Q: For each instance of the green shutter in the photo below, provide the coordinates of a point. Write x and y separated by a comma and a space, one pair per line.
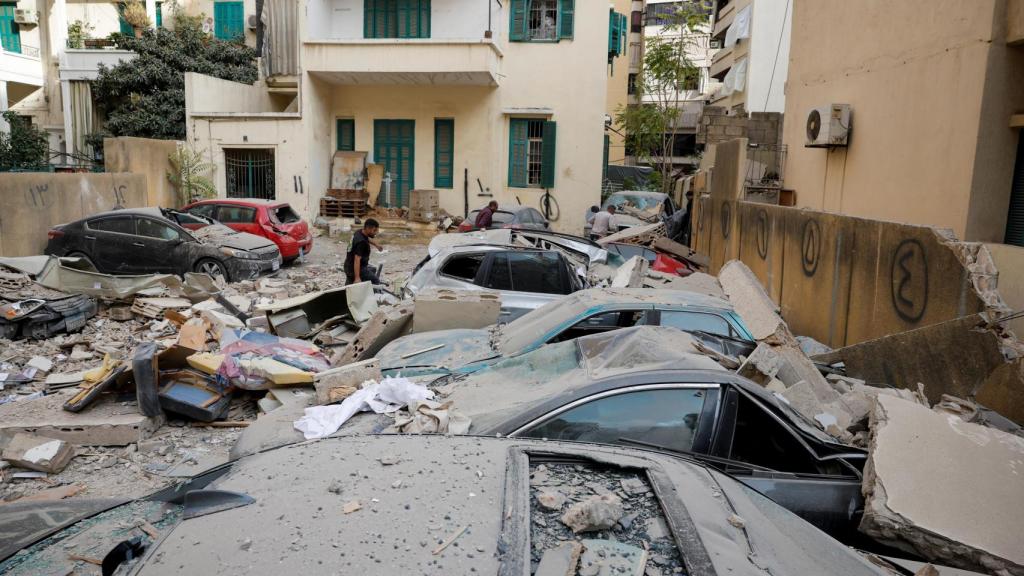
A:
123, 26
623, 31
228, 20
10, 34
568, 18
159, 14
346, 128
547, 167
517, 9
444, 152
396, 18
518, 152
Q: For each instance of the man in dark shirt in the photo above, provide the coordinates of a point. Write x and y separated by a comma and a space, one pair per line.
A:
357, 261
485, 217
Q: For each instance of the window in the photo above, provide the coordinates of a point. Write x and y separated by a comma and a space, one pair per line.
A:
236, 214
396, 18
668, 418
124, 27
119, 224
636, 21
205, 210
249, 173
153, 229
531, 153
444, 152
538, 272
159, 14
346, 128
710, 323
631, 84
542, 20
761, 440
463, 266
497, 219
10, 34
602, 322
617, 32
667, 13
1015, 217
228, 20
283, 215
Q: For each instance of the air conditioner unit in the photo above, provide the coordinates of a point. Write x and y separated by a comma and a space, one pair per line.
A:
828, 126
26, 17
252, 21
715, 44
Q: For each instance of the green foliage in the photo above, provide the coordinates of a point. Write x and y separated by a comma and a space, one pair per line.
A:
189, 175
24, 147
146, 96
134, 13
78, 33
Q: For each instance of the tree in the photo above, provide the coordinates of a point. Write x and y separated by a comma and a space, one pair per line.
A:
188, 175
24, 147
145, 97
667, 74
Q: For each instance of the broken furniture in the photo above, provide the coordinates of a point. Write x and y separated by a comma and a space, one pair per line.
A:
194, 394
304, 316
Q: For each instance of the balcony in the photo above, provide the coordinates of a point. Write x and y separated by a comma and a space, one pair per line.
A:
1015, 23
21, 68
84, 64
459, 42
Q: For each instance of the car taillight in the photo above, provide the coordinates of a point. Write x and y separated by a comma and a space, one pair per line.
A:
54, 233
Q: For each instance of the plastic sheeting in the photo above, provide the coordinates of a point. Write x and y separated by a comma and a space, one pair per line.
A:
639, 349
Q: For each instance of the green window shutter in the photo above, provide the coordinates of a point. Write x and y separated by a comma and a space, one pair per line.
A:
517, 9
611, 30
346, 134
396, 18
444, 152
228, 20
123, 26
518, 152
547, 166
159, 14
623, 31
10, 33
567, 18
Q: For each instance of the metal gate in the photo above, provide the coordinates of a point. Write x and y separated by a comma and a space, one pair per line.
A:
250, 173
394, 148
1015, 218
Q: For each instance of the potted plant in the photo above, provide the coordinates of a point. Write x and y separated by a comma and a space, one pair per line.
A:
78, 34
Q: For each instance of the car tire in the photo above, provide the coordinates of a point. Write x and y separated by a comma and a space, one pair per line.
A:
213, 268
82, 255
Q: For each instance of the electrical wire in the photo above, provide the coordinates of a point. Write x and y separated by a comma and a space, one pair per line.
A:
778, 49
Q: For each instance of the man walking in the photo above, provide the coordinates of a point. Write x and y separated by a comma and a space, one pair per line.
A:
604, 223
357, 261
485, 217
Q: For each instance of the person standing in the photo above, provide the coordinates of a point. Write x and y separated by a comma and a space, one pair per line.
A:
485, 218
603, 224
357, 261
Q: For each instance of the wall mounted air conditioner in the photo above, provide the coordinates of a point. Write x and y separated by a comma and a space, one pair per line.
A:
252, 21
26, 17
828, 126
714, 44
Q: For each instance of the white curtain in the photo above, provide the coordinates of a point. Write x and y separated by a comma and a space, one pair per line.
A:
81, 116
740, 27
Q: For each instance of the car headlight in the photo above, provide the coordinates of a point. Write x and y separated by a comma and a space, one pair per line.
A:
243, 254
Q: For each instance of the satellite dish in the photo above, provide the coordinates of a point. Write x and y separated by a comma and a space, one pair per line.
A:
813, 126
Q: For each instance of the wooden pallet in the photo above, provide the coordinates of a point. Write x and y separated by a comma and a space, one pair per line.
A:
334, 208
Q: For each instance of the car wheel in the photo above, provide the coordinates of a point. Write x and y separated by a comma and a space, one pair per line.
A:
212, 268
83, 256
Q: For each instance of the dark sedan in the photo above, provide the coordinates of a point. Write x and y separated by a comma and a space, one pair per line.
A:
155, 240
514, 217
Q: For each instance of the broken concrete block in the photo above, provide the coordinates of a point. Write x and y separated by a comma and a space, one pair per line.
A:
795, 366
336, 384
631, 274
445, 309
943, 488
610, 558
193, 334
594, 513
761, 366
758, 311
40, 363
385, 325
38, 453
551, 499
560, 561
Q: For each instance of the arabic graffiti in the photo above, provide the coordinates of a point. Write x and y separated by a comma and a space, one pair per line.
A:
35, 196
909, 280
726, 219
810, 247
762, 234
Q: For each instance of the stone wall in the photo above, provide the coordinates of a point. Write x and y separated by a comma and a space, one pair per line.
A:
758, 127
144, 156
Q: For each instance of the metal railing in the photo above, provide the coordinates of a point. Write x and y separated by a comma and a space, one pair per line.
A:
766, 164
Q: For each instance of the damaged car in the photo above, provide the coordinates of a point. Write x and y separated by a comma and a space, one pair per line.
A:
637, 208
157, 240
579, 314
396, 505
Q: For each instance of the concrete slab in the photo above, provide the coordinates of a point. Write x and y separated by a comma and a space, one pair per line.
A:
752, 303
339, 383
385, 325
106, 423
448, 309
631, 274
944, 488
38, 452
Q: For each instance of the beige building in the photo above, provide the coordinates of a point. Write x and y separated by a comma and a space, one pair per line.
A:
937, 104
621, 72
753, 37
479, 100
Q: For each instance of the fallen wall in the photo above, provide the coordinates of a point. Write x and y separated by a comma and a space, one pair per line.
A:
33, 202
148, 157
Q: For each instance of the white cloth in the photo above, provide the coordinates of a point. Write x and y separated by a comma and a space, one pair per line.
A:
603, 223
388, 396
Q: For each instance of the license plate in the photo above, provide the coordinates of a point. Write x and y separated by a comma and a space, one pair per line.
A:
276, 265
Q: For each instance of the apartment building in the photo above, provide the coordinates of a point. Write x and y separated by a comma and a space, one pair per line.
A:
625, 59
478, 99
52, 50
754, 37
935, 134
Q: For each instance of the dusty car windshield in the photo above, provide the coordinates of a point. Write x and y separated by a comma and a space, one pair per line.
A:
642, 202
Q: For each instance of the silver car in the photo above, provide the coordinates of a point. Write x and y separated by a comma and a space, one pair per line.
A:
526, 278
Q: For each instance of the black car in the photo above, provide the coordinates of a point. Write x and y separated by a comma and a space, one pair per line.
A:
157, 240
516, 217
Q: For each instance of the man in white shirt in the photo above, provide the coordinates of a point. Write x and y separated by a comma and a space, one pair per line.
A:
603, 224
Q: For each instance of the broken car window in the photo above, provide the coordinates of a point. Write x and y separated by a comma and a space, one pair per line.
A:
463, 266
539, 272
206, 210
662, 417
762, 440
499, 277
236, 214
710, 323
153, 229
119, 224
283, 215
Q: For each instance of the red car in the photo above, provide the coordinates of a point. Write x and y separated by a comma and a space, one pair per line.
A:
271, 219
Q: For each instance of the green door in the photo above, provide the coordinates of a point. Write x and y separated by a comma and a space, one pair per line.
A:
394, 148
228, 20
10, 36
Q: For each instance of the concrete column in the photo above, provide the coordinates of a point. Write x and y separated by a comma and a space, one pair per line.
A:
151, 12
4, 127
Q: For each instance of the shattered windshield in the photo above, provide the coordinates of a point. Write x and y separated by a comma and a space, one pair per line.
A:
528, 328
650, 203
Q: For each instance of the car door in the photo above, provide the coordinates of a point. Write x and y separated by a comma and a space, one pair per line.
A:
603, 320
678, 418
526, 279
238, 218
160, 247
109, 242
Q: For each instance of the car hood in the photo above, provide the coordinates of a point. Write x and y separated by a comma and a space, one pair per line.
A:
228, 238
439, 352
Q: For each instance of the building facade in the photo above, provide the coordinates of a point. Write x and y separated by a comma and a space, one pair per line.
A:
935, 133
479, 100
751, 64
622, 69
